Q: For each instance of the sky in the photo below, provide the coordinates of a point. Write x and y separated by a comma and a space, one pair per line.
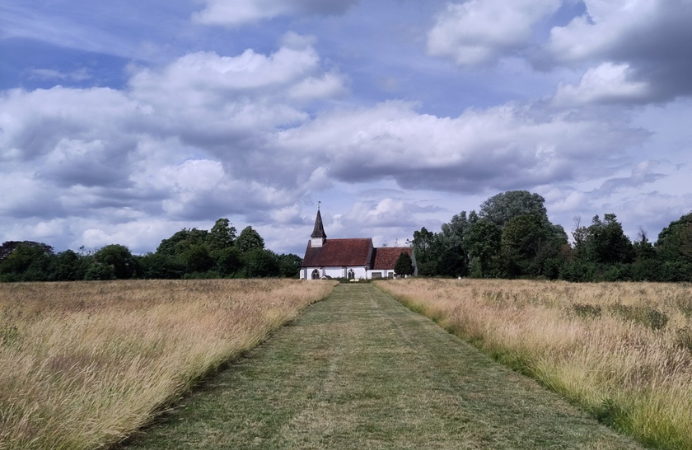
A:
124, 122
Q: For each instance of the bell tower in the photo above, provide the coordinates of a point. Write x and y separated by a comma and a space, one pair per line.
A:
318, 235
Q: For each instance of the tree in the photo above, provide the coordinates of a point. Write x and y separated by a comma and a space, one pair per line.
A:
501, 208
228, 260
161, 266
99, 271
427, 248
26, 261
523, 237
403, 265
197, 259
458, 227
674, 249
606, 242
182, 241
531, 247
65, 266
119, 257
289, 265
260, 263
221, 236
675, 241
249, 240
643, 249
484, 243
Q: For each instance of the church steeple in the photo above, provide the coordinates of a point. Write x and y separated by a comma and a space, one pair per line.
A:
318, 235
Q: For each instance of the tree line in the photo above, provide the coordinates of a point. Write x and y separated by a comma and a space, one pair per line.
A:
511, 237
189, 253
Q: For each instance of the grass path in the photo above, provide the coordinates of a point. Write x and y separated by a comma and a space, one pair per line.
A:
360, 371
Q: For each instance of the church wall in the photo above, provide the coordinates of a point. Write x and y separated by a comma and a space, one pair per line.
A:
334, 272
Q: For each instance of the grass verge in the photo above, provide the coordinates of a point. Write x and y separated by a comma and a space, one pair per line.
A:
620, 350
84, 364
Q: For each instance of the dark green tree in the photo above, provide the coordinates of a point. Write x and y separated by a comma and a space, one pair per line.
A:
674, 249
249, 240
531, 247
428, 249
27, 261
66, 266
289, 265
501, 208
161, 266
182, 241
99, 271
606, 242
454, 258
197, 259
228, 260
404, 265
483, 243
675, 241
119, 257
221, 236
260, 263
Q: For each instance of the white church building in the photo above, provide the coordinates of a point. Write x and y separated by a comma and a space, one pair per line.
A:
354, 258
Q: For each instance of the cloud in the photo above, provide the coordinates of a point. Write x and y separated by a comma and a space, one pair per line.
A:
648, 37
210, 136
643, 173
184, 140
607, 83
482, 31
499, 148
234, 13
50, 74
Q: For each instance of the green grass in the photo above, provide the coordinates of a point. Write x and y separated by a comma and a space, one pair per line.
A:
360, 371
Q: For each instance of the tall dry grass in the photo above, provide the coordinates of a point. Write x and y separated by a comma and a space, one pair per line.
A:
82, 365
623, 351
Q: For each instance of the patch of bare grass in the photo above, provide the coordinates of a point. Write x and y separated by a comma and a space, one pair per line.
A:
621, 350
82, 365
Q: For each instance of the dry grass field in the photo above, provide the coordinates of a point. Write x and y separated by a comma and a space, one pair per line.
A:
623, 351
84, 364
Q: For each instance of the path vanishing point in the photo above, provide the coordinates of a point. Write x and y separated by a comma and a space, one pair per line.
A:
360, 371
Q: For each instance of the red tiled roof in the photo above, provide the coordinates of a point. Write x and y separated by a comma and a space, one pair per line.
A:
386, 257
339, 253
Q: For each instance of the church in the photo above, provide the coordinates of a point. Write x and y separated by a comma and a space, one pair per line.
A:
354, 258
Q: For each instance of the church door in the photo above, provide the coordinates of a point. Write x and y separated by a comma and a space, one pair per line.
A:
351, 274
315, 274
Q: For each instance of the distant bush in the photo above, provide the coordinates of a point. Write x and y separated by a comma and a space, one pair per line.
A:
643, 315
684, 338
586, 311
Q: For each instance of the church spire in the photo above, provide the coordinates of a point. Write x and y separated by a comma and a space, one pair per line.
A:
318, 235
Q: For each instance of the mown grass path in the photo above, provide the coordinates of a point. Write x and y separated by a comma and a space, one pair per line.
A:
360, 371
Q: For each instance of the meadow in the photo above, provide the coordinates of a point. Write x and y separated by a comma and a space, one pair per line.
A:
84, 364
622, 351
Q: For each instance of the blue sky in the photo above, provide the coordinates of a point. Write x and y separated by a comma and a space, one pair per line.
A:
123, 122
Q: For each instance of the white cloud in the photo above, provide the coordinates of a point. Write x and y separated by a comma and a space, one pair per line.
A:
181, 139
234, 13
50, 74
387, 212
207, 72
647, 36
482, 31
603, 27
504, 147
606, 83
210, 136
329, 85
